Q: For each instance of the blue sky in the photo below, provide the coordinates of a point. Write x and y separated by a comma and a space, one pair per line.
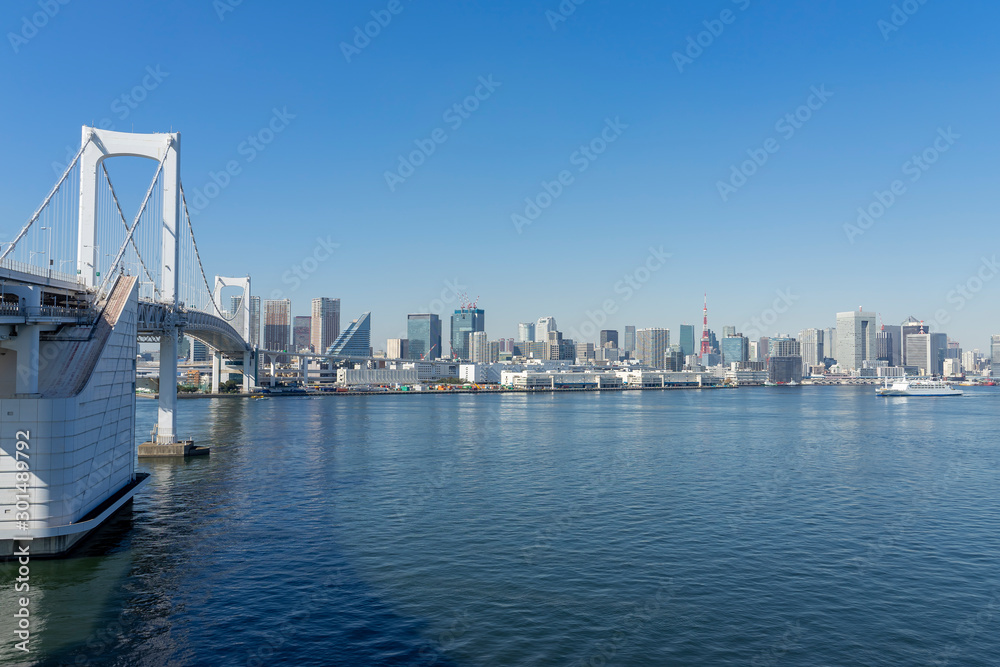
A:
223, 70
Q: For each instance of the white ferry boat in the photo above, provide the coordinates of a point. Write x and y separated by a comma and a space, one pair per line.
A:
904, 387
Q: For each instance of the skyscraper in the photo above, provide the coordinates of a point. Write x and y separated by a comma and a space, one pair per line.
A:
608, 336
277, 325
301, 325
995, 356
728, 331
525, 332
325, 323
855, 339
545, 325
629, 338
255, 321
424, 333
479, 347
735, 349
651, 346
355, 341
830, 342
885, 348
687, 340
465, 321
910, 326
811, 343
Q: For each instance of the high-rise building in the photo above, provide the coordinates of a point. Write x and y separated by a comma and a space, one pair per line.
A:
423, 330
199, 351
325, 325
553, 346
545, 325
995, 356
754, 353
629, 338
584, 352
397, 348
910, 326
277, 326
784, 369
301, 326
735, 349
784, 346
885, 348
763, 348
728, 331
855, 339
464, 322
687, 340
608, 336
235, 301
651, 346
479, 347
355, 340
830, 342
526, 332
812, 347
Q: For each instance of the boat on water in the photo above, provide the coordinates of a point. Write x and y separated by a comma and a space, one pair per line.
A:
905, 387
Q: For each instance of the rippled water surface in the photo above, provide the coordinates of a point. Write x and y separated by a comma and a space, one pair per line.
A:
770, 526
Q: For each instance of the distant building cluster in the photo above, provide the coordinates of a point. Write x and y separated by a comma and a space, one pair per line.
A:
856, 347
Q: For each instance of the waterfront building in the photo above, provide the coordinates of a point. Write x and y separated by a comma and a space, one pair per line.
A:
397, 348
812, 347
464, 322
423, 330
830, 343
687, 340
995, 356
910, 326
735, 349
855, 339
783, 346
325, 325
609, 338
927, 352
301, 325
784, 369
355, 340
277, 325
525, 332
630, 338
479, 348
651, 346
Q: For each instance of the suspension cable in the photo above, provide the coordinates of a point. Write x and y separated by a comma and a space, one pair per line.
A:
45, 203
201, 267
131, 239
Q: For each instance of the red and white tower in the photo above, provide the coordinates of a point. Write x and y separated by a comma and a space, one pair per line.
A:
706, 342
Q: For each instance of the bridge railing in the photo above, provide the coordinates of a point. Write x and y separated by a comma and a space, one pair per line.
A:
34, 270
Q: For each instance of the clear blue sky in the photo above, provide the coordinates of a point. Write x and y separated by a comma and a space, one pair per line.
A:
324, 175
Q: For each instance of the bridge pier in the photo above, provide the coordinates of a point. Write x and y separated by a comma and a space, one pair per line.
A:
165, 429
